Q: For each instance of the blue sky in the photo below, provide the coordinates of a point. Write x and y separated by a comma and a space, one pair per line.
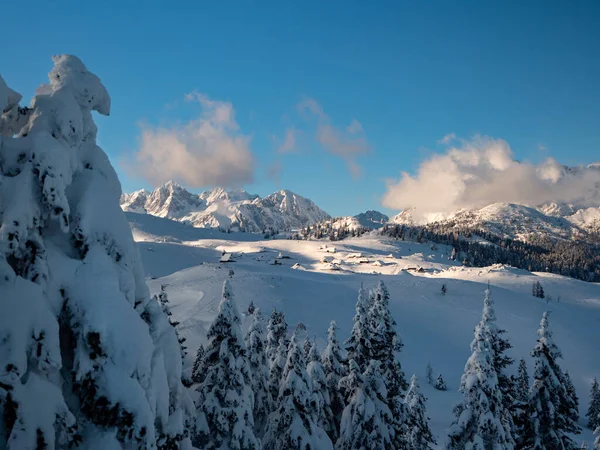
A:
409, 73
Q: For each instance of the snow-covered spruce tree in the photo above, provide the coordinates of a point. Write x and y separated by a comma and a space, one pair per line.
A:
572, 406
257, 358
163, 300
593, 412
335, 368
429, 373
597, 441
306, 347
291, 424
418, 434
367, 422
323, 414
275, 374
499, 345
276, 332
440, 383
520, 409
197, 366
78, 327
358, 345
226, 400
550, 420
385, 343
479, 422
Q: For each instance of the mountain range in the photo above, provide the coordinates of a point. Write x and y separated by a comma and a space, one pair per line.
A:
227, 209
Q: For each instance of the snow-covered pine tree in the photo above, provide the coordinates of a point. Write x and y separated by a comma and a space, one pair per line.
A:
291, 424
572, 398
276, 333
522, 383
163, 300
479, 422
226, 400
358, 345
593, 412
499, 346
257, 358
197, 367
335, 368
324, 416
385, 343
440, 383
550, 425
418, 434
306, 347
521, 401
429, 373
367, 422
275, 374
78, 325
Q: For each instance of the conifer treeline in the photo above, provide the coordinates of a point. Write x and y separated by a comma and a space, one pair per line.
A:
267, 391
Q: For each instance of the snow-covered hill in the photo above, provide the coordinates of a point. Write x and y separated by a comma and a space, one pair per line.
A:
237, 209
509, 220
318, 282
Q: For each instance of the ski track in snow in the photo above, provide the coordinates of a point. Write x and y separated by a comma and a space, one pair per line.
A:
434, 328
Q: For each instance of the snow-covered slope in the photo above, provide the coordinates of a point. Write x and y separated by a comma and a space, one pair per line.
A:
372, 219
282, 210
435, 328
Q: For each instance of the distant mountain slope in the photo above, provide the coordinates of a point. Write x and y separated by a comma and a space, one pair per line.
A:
219, 208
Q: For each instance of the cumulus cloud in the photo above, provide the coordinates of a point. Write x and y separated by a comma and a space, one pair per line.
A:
288, 145
209, 150
348, 143
448, 138
482, 171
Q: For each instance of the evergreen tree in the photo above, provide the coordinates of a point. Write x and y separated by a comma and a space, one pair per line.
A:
429, 371
276, 333
197, 367
549, 403
334, 367
440, 384
597, 441
291, 424
385, 343
479, 418
275, 374
418, 434
226, 399
593, 413
367, 422
520, 408
499, 345
321, 400
522, 383
572, 398
86, 354
306, 347
358, 345
259, 371
444, 289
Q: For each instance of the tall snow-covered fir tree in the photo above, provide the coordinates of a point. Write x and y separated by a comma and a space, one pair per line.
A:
522, 382
78, 325
479, 420
550, 423
572, 398
521, 400
358, 345
324, 416
197, 367
385, 343
335, 368
276, 333
367, 422
226, 401
257, 358
275, 374
593, 412
418, 433
291, 424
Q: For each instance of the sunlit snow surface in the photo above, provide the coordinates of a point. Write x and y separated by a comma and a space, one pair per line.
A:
434, 328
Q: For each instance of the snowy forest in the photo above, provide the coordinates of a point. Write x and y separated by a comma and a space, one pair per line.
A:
90, 359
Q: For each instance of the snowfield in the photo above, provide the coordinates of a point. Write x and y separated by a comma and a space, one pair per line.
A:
313, 283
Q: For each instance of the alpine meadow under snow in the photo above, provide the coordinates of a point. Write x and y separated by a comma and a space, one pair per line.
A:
170, 320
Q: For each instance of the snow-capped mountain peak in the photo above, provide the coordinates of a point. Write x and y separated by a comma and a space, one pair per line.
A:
223, 208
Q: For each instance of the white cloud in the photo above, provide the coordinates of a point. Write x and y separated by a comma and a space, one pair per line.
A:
347, 143
483, 171
447, 139
206, 151
289, 142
